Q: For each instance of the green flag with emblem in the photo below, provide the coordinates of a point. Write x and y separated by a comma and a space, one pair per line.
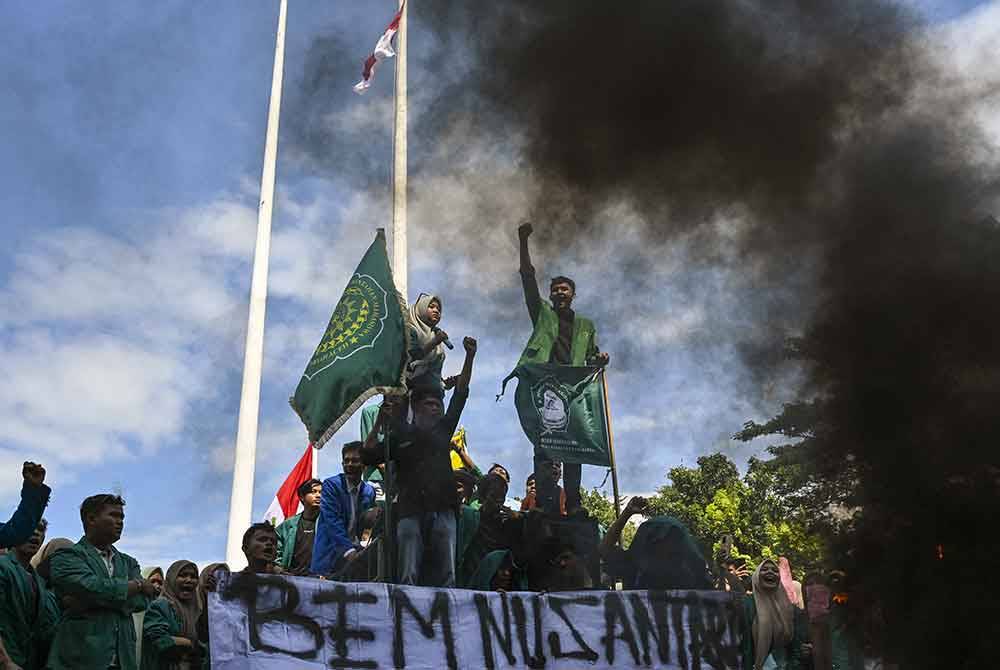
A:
562, 411
362, 353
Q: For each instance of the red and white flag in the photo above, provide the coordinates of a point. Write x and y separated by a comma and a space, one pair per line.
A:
286, 501
383, 50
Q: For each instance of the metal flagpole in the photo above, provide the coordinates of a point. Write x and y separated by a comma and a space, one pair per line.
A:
399, 269
611, 444
241, 502
399, 247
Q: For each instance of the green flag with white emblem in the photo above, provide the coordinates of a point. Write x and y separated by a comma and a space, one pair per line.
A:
562, 411
362, 353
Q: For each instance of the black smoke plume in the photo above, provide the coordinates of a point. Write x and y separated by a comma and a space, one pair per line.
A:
827, 130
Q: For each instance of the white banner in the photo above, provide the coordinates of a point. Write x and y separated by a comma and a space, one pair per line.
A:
267, 622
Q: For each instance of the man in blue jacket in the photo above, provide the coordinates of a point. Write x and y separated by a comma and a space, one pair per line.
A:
34, 498
343, 502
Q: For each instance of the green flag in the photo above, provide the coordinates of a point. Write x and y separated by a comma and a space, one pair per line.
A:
562, 412
362, 353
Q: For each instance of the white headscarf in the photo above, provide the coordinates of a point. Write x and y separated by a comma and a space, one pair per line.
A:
773, 626
425, 333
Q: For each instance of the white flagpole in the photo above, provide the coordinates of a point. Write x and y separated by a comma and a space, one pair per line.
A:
399, 245
241, 502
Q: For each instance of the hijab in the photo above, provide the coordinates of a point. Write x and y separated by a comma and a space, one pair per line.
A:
792, 587
686, 568
425, 333
773, 625
187, 611
150, 571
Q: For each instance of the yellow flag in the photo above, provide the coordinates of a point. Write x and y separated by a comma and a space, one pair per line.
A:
458, 439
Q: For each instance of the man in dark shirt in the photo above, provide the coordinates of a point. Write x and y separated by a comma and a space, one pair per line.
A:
426, 533
560, 336
296, 534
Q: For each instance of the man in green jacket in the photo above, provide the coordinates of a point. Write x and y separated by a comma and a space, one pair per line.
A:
296, 534
28, 610
559, 336
100, 588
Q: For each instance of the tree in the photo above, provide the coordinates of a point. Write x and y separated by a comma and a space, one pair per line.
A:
713, 501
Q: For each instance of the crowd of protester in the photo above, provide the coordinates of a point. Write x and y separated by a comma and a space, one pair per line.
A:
80, 605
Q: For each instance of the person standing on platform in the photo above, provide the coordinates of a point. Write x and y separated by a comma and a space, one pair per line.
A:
296, 534
426, 535
345, 501
562, 337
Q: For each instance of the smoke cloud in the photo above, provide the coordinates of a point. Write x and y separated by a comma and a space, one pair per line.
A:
813, 169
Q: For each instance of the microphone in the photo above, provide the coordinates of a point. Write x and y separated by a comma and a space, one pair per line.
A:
446, 342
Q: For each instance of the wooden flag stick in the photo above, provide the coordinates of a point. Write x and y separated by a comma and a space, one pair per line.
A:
611, 444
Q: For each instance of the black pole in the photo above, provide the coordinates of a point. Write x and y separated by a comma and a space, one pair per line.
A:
389, 541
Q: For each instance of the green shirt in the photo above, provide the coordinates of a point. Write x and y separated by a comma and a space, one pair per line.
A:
100, 626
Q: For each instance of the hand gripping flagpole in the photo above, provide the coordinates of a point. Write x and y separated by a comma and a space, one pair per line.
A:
611, 443
241, 502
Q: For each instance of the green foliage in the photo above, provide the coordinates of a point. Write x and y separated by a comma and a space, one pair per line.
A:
603, 509
712, 500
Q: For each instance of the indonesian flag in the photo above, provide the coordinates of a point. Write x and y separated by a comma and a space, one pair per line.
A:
383, 50
286, 501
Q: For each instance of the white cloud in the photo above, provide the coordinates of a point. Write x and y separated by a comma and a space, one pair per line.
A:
631, 423
108, 339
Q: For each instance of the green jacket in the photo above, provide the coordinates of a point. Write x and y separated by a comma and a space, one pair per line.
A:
159, 628
26, 631
286, 540
465, 532
92, 633
543, 337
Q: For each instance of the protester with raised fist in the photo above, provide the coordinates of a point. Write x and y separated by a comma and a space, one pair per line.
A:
28, 609
562, 337
427, 502
34, 498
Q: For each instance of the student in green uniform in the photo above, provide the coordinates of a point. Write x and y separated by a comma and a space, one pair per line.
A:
296, 534
559, 336
169, 630
103, 588
28, 610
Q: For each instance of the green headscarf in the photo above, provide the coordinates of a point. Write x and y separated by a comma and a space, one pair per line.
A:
686, 568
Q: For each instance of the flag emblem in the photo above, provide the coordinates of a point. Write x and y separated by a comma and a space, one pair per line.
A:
552, 404
356, 324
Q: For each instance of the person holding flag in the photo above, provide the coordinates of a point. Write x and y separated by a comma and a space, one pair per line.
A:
427, 531
560, 337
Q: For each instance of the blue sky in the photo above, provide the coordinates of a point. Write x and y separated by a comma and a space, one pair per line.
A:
135, 133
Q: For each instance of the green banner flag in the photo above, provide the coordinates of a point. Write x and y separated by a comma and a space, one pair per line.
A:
362, 353
562, 411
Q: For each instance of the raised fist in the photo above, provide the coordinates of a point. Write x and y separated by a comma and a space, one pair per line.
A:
524, 230
636, 505
33, 473
470, 345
